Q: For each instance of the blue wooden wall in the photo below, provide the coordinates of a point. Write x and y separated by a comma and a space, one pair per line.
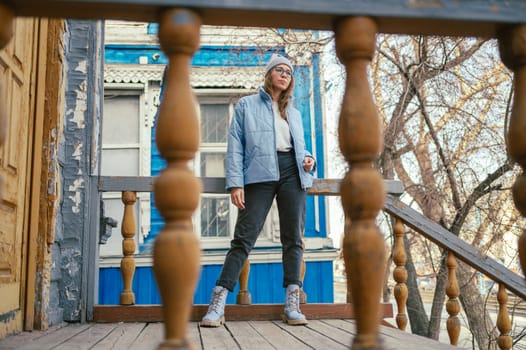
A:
318, 284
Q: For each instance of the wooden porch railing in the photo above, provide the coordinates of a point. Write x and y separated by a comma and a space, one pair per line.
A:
129, 186
355, 23
403, 216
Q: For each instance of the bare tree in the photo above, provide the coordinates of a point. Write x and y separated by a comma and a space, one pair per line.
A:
444, 102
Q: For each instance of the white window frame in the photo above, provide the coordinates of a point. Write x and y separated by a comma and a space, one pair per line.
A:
268, 236
143, 205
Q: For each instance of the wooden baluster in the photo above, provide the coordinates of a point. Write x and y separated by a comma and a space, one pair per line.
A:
176, 258
512, 45
303, 271
7, 16
243, 296
400, 274
348, 295
504, 341
452, 305
362, 189
128, 247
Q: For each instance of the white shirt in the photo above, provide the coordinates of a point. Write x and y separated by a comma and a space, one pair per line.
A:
283, 141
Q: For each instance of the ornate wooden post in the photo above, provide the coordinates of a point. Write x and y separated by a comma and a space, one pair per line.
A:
452, 305
128, 247
512, 45
303, 271
504, 340
400, 274
362, 189
348, 295
6, 32
243, 296
176, 250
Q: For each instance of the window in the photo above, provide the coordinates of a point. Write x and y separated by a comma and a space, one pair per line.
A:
216, 216
124, 152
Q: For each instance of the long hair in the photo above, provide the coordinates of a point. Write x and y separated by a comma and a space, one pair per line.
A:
284, 97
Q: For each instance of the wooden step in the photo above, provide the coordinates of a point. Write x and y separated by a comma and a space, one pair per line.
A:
153, 313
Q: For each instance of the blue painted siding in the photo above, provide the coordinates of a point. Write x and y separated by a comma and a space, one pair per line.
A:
206, 56
318, 284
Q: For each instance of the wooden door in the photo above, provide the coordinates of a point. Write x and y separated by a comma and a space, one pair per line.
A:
16, 72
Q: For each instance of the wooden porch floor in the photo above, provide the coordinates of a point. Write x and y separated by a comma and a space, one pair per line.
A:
326, 334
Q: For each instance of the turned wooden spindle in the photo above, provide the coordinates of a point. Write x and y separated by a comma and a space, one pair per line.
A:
7, 16
348, 295
303, 271
452, 304
512, 45
362, 189
176, 259
243, 296
504, 340
128, 247
400, 274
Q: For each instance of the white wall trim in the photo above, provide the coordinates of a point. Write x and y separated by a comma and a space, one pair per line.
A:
218, 257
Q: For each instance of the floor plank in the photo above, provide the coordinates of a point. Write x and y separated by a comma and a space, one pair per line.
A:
54, 339
217, 339
334, 333
326, 334
86, 339
313, 338
247, 337
149, 338
121, 337
277, 337
194, 335
14, 341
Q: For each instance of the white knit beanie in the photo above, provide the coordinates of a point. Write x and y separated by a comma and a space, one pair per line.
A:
275, 60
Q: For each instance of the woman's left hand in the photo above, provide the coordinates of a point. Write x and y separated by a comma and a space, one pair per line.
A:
308, 164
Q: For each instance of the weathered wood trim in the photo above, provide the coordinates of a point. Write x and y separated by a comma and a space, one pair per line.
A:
254, 312
462, 250
320, 187
257, 256
93, 226
35, 169
445, 17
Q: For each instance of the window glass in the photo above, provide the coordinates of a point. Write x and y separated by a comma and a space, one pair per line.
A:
214, 123
215, 214
213, 164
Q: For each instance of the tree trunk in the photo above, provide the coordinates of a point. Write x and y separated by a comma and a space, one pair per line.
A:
479, 321
415, 306
438, 300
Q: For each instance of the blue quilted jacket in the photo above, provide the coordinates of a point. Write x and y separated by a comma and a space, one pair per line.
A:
251, 153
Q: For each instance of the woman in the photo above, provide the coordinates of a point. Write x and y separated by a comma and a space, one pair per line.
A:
266, 159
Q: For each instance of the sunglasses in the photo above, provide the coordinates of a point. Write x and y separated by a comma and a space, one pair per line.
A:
280, 71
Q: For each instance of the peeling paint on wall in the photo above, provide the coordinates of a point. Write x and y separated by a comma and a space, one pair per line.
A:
75, 158
77, 187
77, 154
78, 115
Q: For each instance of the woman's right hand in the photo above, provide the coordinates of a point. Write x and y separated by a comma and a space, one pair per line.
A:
237, 196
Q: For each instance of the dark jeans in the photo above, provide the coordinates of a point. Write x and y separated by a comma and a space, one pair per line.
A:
290, 198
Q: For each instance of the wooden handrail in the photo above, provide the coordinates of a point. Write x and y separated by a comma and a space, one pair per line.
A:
447, 17
320, 187
462, 250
